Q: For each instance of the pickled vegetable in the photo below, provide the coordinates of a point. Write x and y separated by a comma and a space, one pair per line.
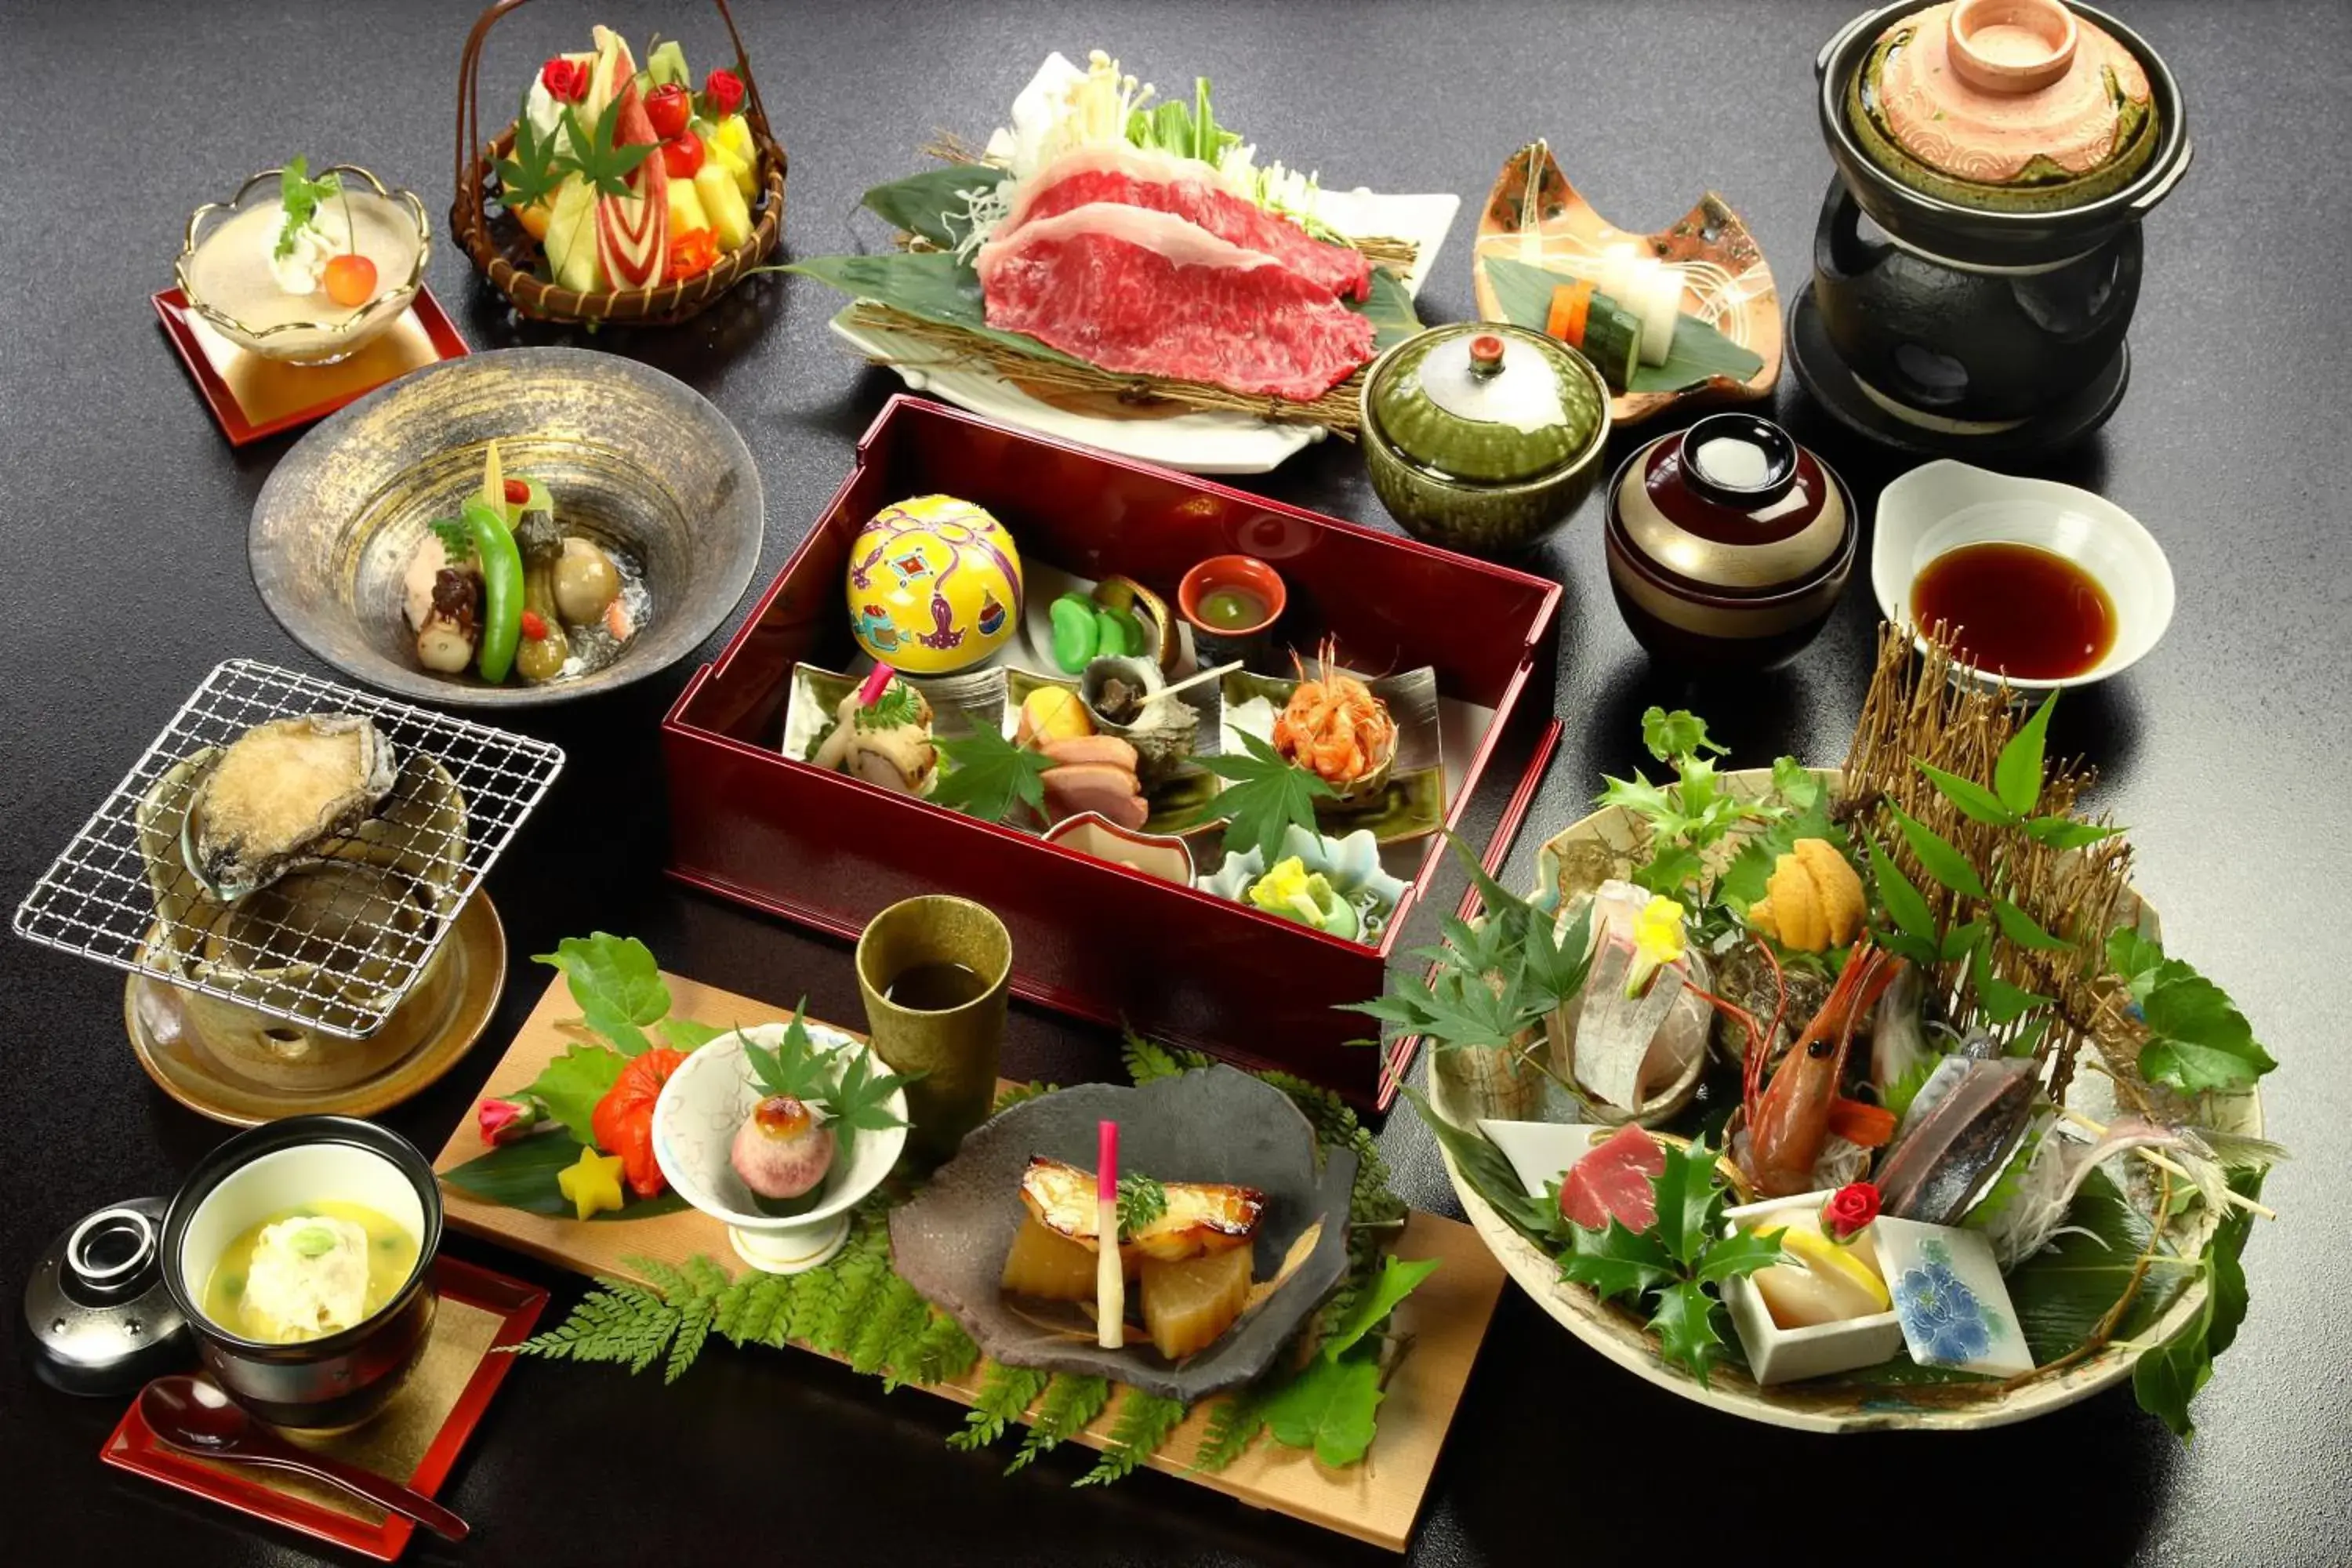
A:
1076, 632
1186, 1305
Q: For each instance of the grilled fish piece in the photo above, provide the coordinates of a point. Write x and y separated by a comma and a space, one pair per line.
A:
1200, 1218
279, 791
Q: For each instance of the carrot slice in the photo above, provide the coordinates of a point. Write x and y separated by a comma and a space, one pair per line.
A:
1571, 306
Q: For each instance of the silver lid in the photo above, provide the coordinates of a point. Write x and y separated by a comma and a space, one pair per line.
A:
96, 1310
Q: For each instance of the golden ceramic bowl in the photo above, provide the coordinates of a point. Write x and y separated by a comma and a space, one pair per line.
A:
636, 460
305, 337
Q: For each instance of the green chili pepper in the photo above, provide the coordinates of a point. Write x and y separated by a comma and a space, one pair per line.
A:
494, 546
1074, 632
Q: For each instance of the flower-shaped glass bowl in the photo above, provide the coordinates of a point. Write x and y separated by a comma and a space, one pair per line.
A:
701, 1106
224, 268
1352, 865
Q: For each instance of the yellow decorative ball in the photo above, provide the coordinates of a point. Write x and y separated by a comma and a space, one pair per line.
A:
934, 585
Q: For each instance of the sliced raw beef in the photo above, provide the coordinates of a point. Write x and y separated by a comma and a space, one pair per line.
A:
1613, 1181
1130, 176
1130, 289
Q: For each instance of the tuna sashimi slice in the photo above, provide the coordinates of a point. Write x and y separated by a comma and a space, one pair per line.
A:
1132, 289
1613, 1182
1131, 176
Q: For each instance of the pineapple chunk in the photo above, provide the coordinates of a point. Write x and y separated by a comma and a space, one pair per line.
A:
723, 204
686, 211
1049, 1267
1186, 1305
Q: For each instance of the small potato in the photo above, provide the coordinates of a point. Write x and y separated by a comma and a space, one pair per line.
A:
585, 581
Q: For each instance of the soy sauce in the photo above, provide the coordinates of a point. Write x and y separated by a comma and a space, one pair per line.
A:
2017, 609
935, 987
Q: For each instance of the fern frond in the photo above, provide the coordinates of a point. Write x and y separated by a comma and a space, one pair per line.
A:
1014, 1094
619, 1322
893, 1326
751, 1311
1144, 1423
1004, 1397
1147, 1059
1071, 1402
943, 1351
693, 1329
1235, 1423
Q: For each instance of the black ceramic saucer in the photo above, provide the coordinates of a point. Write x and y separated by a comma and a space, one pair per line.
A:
1823, 375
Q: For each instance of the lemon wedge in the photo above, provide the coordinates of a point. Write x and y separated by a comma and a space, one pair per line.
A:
1828, 1261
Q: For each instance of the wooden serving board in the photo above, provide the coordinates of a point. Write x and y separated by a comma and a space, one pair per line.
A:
1376, 1502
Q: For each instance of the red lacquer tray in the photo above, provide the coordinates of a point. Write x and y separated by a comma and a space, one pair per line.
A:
1088, 937
252, 397
499, 1312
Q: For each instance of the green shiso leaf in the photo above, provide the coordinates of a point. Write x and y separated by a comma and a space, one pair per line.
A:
1699, 352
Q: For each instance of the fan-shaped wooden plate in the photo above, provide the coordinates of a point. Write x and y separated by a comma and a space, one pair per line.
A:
1531, 194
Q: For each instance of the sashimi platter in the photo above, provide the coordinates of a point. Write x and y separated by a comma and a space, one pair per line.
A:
1841, 1092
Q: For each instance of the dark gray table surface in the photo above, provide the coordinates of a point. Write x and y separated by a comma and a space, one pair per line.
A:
123, 528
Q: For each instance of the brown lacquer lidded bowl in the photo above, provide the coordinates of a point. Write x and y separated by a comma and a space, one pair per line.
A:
1729, 544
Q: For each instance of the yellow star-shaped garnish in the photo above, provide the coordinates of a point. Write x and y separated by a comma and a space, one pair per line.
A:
593, 1184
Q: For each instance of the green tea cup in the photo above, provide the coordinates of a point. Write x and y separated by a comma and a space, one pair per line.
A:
933, 970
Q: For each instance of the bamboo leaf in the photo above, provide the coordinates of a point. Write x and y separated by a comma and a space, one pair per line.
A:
930, 205
1904, 905
1975, 801
2065, 833
522, 1175
2024, 930
1699, 352
1935, 853
2017, 775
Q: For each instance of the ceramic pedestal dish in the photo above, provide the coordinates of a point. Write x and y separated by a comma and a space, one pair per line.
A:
1481, 437
2005, 152
1729, 544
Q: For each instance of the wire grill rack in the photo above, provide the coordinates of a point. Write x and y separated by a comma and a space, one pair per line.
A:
341, 968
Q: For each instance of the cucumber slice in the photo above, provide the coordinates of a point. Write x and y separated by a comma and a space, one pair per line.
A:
1613, 340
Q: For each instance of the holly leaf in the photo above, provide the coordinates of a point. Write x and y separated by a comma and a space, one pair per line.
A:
572, 1084
1935, 853
1905, 904
1331, 1406
1263, 795
1737, 1255
1684, 1322
1397, 1280
1680, 733
2017, 773
616, 984
1671, 868
1690, 1200
986, 773
1975, 801
1643, 799
1617, 1261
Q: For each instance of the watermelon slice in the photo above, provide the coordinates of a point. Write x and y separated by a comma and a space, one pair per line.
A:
1612, 1181
633, 231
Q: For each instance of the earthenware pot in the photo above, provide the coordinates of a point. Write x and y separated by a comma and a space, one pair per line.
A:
1728, 543
2014, 174
955, 1048
339, 1379
1481, 437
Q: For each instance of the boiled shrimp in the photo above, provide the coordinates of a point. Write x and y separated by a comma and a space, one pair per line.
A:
1790, 1120
1333, 725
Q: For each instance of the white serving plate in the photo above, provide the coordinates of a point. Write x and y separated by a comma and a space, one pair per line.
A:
1201, 443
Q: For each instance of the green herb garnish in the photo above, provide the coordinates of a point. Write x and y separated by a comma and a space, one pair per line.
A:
535, 170
301, 196
1265, 793
1141, 1201
898, 704
456, 539
839, 1080
2197, 1038
593, 157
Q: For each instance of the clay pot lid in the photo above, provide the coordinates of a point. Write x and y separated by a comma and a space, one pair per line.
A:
1485, 401
1733, 506
1996, 92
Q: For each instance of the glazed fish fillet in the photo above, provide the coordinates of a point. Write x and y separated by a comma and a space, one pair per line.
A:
1199, 1217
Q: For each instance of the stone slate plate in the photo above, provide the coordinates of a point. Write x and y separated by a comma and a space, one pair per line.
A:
1211, 1125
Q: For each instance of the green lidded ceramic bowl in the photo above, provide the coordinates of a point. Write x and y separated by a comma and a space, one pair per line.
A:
1484, 437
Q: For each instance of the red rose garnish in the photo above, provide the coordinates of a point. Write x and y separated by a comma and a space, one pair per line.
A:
1850, 1209
566, 81
723, 90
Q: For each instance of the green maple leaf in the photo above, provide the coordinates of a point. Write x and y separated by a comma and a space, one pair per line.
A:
535, 171
1265, 793
987, 774
592, 155
839, 1080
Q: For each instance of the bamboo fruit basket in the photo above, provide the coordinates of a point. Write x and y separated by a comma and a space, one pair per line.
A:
506, 255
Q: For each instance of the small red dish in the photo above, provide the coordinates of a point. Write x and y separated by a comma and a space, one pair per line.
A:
481, 1314
1246, 573
252, 397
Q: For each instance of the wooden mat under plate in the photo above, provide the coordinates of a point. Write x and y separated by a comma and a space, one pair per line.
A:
1376, 1502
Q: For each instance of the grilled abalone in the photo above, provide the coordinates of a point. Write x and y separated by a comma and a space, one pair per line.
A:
279, 791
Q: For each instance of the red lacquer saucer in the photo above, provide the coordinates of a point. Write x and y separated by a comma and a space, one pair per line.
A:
485, 1311
252, 397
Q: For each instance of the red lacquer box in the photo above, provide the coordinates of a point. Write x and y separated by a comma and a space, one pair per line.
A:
1088, 937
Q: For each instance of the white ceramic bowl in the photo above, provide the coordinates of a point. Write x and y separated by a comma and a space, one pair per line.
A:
1939, 507
695, 1121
